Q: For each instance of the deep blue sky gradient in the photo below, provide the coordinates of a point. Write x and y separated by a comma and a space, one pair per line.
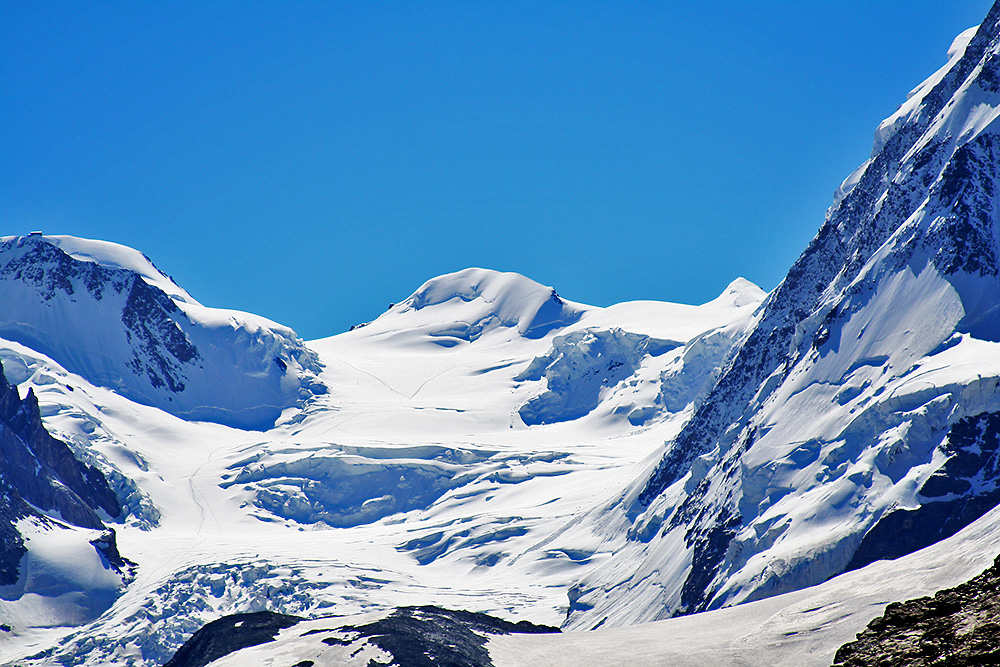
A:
312, 162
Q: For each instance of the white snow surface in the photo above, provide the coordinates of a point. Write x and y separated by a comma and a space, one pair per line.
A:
799, 629
413, 481
63, 580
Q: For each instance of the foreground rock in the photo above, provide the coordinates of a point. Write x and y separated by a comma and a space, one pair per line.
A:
957, 627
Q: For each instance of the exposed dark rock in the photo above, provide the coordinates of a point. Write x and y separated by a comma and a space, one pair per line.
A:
107, 545
12, 548
957, 627
435, 637
43, 469
709, 547
52, 271
39, 472
425, 636
148, 317
228, 634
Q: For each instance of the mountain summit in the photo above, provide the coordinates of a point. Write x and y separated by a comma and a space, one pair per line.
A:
487, 445
102, 310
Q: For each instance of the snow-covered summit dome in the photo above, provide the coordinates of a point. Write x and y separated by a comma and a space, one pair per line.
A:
463, 305
102, 310
741, 292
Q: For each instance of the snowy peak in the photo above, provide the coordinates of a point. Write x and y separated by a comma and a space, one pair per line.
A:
867, 384
462, 306
741, 292
114, 256
105, 312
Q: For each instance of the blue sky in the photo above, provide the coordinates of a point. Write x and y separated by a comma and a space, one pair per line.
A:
314, 161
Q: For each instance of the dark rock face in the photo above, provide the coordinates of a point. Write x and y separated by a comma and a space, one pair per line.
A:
229, 634
107, 545
957, 627
161, 348
12, 548
43, 469
38, 471
52, 271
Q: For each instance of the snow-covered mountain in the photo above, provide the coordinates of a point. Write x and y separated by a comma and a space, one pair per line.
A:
417, 464
858, 418
104, 311
486, 445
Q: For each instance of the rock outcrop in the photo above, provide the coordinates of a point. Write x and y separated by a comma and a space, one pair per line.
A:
957, 627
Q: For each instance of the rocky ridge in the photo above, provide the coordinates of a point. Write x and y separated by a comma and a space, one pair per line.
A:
40, 478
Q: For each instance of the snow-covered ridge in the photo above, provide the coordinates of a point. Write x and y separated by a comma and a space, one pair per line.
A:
112, 255
104, 311
857, 419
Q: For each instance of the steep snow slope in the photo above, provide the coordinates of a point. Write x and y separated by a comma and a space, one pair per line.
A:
803, 628
413, 481
104, 311
859, 418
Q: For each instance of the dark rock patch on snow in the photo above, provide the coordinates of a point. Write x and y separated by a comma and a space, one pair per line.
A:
425, 636
229, 634
431, 636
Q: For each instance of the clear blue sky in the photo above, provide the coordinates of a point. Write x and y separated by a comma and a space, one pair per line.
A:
313, 161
